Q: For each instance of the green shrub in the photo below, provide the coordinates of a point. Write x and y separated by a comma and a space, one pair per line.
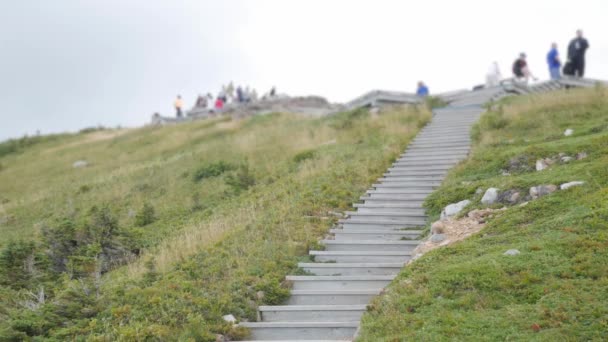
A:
493, 120
433, 102
145, 216
304, 155
19, 263
241, 180
93, 243
212, 170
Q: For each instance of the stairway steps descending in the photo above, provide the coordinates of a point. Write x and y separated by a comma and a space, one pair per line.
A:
405, 213
394, 190
370, 245
375, 234
449, 157
413, 207
385, 224
361, 256
411, 197
339, 283
332, 297
311, 313
368, 248
411, 187
351, 269
301, 330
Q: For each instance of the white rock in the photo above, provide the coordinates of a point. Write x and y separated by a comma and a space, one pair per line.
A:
541, 165
436, 238
454, 209
568, 132
571, 184
80, 163
567, 159
490, 196
512, 252
229, 318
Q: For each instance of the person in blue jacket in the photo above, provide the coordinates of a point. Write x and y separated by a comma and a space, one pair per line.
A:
554, 62
423, 90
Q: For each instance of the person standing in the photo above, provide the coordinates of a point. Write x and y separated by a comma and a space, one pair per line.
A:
423, 90
521, 71
178, 106
576, 54
493, 76
554, 62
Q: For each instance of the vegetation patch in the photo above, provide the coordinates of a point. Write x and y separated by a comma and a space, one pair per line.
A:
136, 248
212, 170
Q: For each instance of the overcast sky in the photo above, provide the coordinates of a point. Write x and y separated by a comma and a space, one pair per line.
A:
69, 64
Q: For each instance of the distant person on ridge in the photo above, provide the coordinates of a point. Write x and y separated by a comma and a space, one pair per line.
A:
423, 90
240, 96
554, 63
201, 102
219, 104
521, 71
493, 76
178, 106
576, 54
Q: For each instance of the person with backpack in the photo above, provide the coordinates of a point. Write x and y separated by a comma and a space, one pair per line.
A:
554, 62
423, 90
521, 71
576, 56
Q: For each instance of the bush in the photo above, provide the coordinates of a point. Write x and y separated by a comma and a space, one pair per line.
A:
241, 180
18, 264
145, 216
493, 120
433, 102
93, 244
304, 155
212, 170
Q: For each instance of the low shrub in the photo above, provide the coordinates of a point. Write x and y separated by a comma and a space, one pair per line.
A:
145, 216
240, 180
212, 170
304, 155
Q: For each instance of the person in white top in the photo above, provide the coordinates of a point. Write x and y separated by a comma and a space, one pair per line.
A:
493, 77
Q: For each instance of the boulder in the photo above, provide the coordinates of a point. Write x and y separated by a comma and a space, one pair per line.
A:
80, 164
229, 318
436, 238
568, 132
512, 252
522, 163
567, 159
542, 190
581, 155
454, 209
569, 185
490, 196
541, 165
509, 197
437, 227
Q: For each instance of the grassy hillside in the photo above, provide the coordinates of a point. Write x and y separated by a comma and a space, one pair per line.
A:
169, 228
557, 288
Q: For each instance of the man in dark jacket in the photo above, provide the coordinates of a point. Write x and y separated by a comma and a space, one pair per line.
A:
576, 54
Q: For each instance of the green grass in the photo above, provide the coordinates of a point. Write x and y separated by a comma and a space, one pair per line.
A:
557, 288
201, 220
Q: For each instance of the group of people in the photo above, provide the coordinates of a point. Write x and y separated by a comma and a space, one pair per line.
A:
228, 94
574, 66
